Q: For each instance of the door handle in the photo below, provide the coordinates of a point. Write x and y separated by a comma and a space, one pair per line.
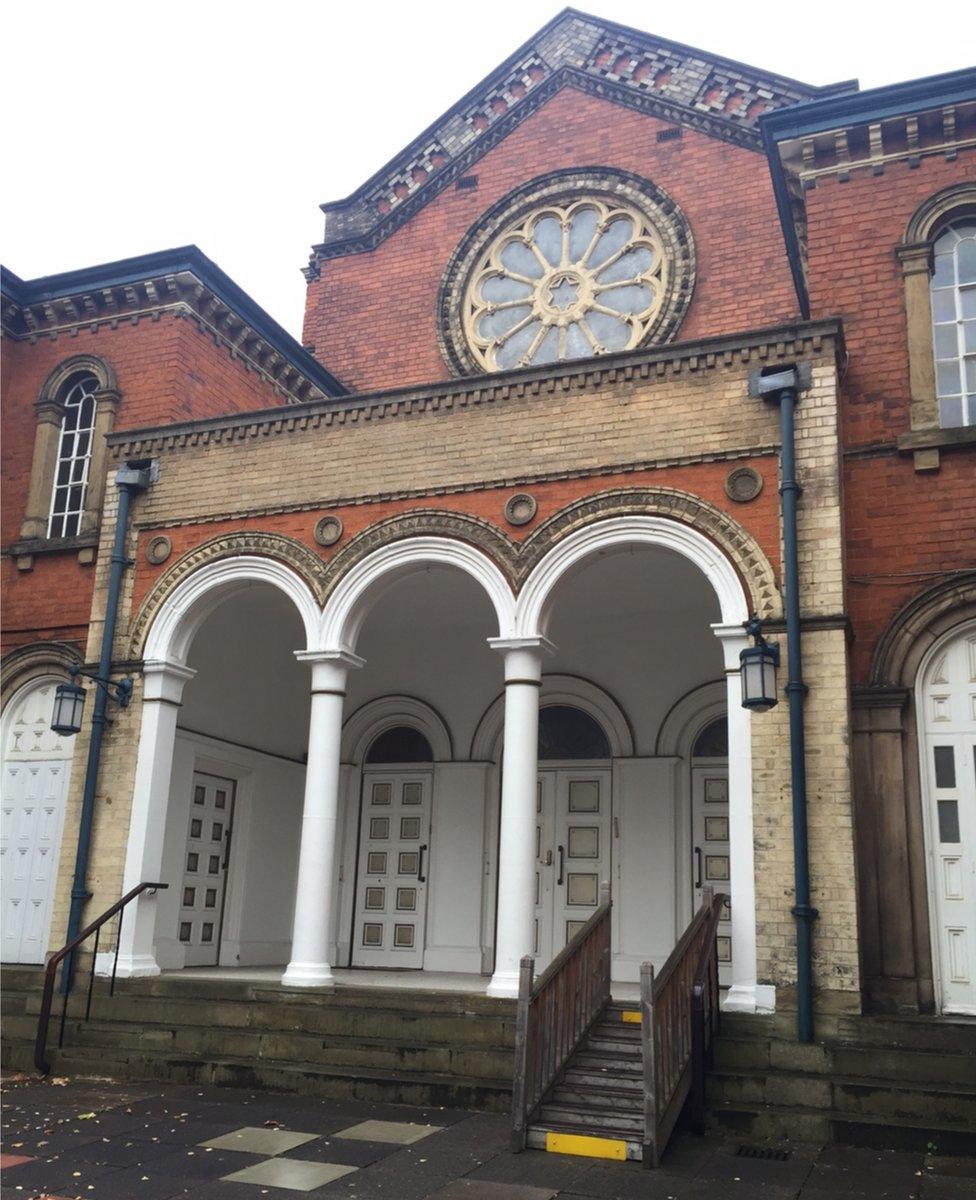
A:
698, 865
226, 849
547, 861
560, 879
421, 877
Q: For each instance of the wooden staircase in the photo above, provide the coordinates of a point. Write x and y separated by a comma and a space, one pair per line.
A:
600, 1094
608, 1080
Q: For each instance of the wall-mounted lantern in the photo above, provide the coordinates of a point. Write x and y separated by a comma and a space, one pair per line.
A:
757, 666
69, 700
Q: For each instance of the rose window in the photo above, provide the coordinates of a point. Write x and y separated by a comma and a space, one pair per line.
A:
569, 281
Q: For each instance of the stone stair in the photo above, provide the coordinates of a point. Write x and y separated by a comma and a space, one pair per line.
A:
600, 1094
890, 1082
413, 1047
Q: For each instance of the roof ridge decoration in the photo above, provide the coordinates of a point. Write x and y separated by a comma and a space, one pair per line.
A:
677, 83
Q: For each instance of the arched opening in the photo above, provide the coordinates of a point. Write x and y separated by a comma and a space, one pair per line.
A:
566, 732
218, 797
401, 744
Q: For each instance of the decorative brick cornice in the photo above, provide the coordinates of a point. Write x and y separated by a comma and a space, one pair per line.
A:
180, 283
673, 82
783, 342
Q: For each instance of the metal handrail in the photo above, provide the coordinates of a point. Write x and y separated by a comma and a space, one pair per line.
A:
50, 974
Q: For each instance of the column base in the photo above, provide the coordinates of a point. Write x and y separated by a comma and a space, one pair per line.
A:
131, 966
750, 998
504, 985
318, 975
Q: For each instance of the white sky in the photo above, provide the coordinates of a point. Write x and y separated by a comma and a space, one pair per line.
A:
141, 125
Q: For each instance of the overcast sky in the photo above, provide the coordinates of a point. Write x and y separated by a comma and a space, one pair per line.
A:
140, 126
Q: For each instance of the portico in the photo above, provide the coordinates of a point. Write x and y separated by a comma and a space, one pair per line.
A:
474, 851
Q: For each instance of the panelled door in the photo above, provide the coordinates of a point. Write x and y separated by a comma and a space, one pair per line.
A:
36, 770
710, 848
949, 768
205, 861
572, 852
391, 888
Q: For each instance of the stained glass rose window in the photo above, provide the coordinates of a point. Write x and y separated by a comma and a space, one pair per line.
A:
554, 274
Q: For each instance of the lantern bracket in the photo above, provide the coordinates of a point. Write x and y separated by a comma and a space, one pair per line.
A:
754, 630
119, 690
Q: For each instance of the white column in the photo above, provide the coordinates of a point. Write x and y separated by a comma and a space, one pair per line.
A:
163, 684
315, 894
514, 933
745, 995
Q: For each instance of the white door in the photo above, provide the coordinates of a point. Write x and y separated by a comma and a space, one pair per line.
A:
205, 861
710, 848
948, 748
36, 771
572, 853
391, 888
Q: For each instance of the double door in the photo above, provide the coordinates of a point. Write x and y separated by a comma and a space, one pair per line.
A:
572, 853
391, 888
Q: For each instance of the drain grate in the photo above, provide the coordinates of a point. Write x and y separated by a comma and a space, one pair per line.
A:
774, 1153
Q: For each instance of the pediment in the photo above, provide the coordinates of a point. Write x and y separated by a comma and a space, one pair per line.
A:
676, 83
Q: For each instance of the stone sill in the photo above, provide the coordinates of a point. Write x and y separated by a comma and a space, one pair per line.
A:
926, 444
23, 553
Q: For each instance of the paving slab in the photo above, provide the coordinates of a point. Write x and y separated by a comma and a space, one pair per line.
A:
292, 1173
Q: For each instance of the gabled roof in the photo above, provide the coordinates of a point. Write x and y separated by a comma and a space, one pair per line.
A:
677, 83
183, 280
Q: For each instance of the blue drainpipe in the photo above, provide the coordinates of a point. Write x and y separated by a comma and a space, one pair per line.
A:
130, 482
781, 386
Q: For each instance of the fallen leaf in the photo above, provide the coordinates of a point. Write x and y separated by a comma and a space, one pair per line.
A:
60, 1081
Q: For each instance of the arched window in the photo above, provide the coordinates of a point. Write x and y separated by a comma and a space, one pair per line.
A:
401, 744
566, 732
954, 323
77, 399
713, 741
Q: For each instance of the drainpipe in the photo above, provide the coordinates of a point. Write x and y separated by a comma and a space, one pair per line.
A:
130, 482
780, 386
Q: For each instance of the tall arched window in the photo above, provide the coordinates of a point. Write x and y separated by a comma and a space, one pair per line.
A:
954, 323
77, 399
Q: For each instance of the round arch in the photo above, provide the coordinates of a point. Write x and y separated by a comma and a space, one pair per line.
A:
937, 210
358, 590
187, 606
50, 392
689, 716
570, 690
35, 661
918, 626
377, 716
536, 598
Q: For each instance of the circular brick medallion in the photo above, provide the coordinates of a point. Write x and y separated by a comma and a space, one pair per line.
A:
520, 508
743, 484
328, 531
158, 550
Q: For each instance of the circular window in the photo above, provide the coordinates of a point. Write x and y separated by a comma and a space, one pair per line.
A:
568, 268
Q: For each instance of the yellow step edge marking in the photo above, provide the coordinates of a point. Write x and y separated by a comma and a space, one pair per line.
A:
588, 1147
631, 1015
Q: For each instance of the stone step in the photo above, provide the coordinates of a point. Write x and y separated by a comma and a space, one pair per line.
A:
207, 1041
952, 1104
392, 1023
394, 1086
844, 1059
766, 1123
603, 1122
949, 1034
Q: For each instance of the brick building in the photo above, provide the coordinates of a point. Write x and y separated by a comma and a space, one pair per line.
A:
512, 502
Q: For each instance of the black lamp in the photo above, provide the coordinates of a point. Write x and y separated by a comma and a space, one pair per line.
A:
69, 703
757, 665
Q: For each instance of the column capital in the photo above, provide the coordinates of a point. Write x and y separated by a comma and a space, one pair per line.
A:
523, 656
734, 640
330, 668
164, 680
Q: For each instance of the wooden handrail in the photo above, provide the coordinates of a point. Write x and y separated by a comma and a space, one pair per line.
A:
674, 1043
555, 1012
50, 974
